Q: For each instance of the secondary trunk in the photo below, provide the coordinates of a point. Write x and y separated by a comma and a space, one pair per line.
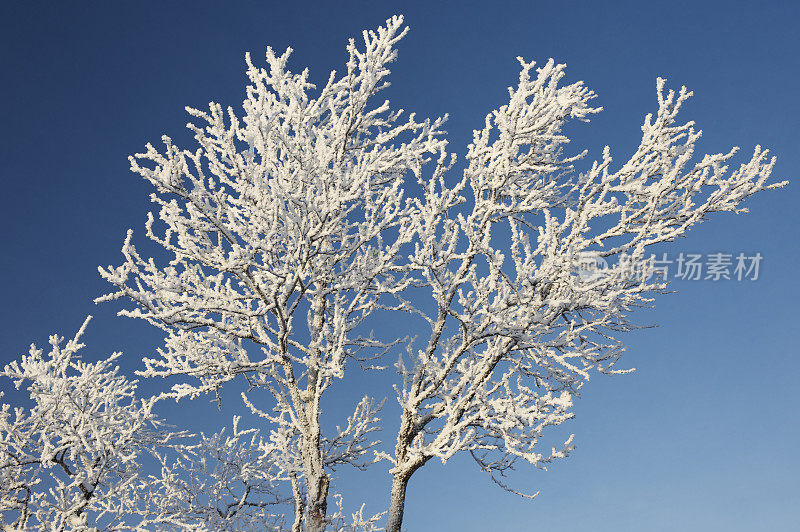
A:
405, 466
397, 502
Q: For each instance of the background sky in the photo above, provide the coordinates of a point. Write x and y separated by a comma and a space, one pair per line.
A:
703, 436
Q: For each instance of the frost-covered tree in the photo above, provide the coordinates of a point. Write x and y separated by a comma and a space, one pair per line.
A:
76, 460
285, 229
72, 460
518, 323
290, 231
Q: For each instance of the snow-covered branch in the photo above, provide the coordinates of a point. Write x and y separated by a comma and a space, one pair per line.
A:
284, 229
72, 459
220, 482
515, 330
289, 231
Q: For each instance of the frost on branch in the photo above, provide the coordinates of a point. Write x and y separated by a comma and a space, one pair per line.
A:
515, 331
72, 459
288, 226
220, 482
357, 522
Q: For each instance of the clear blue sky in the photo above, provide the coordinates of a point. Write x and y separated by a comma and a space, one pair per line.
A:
702, 437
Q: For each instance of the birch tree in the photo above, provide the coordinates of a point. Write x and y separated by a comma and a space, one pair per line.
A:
290, 229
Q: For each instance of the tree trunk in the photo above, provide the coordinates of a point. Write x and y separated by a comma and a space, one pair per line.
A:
317, 503
397, 502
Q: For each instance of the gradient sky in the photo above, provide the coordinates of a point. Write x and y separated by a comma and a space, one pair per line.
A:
702, 437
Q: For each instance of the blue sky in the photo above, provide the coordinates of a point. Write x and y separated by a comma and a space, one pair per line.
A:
702, 437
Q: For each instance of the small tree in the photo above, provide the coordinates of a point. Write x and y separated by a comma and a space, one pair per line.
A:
73, 457
289, 229
74, 460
